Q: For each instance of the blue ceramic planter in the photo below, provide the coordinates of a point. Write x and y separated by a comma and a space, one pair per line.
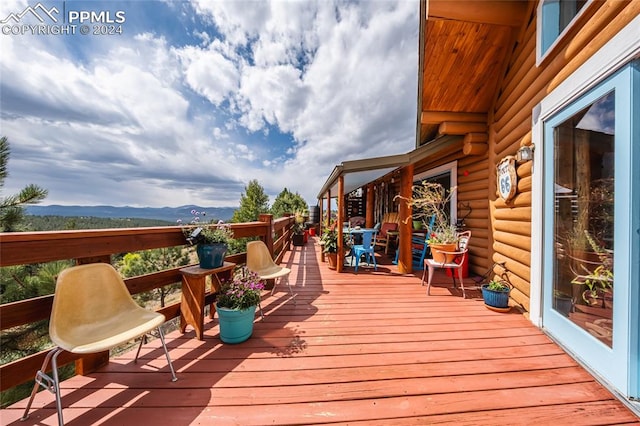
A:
211, 255
235, 326
497, 299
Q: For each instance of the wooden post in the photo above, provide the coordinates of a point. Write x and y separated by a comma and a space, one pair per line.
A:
91, 362
268, 239
405, 264
321, 215
329, 208
341, 219
369, 207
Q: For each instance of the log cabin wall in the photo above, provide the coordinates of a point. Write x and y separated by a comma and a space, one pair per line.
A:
524, 85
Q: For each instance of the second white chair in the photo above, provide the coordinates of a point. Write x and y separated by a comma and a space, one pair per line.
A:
259, 260
459, 257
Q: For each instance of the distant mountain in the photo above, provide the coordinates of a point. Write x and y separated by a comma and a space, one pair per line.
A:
169, 214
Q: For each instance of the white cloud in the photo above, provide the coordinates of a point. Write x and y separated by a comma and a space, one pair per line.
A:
209, 72
141, 120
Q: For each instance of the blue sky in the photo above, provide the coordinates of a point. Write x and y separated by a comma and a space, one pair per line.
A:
194, 99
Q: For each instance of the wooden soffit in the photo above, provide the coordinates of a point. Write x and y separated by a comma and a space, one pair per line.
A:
358, 173
465, 46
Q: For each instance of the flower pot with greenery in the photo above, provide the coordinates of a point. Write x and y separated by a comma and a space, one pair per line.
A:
595, 277
236, 305
211, 241
299, 236
496, 295
329, 242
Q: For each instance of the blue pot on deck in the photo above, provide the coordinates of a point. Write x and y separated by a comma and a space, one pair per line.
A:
211, 255
235, 326
496, 299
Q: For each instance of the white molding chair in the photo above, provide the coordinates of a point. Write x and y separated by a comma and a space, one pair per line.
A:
259, 260
459, 256
92, 312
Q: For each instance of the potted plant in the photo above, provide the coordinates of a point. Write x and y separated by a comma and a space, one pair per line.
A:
429, 202
236, 305
299, 235
329, 242
496, 294
596, 277
211, 241
562, 302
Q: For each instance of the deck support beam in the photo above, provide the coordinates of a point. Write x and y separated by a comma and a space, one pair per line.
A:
405, 262
341, 220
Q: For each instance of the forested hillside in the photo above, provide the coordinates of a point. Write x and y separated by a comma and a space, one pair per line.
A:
54, 223
169, 214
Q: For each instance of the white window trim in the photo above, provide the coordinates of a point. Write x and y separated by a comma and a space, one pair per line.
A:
452, 168
540, 55
620, 50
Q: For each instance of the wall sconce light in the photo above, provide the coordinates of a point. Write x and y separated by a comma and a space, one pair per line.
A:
525, 153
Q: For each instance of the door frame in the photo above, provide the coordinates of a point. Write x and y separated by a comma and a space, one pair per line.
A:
616, 53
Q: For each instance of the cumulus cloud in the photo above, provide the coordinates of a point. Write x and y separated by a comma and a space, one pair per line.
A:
279, 91
209, 72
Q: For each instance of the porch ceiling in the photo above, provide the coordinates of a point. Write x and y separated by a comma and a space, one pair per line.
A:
358, 173
464, 48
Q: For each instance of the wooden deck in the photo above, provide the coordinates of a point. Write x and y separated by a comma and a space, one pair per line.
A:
368, 348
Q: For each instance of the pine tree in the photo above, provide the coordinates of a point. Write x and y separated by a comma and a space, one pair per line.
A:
11, 207
288, 202
253, 202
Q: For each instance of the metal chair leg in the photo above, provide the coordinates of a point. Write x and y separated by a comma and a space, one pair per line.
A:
47, 382
293, 296
464, 296
143, 340
166, 352
261, 314
431, 270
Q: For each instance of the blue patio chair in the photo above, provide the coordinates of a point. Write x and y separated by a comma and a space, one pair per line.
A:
365, 249
419, 247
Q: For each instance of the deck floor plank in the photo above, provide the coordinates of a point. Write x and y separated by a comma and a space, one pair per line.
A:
367, 348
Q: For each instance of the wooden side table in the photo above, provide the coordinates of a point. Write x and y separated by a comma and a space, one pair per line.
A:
194, 297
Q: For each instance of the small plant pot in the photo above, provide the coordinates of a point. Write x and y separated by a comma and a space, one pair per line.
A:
298, 240
563, 304
495, 299
333, 260
211, 256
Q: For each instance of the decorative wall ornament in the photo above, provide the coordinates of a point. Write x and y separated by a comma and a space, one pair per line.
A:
507, 178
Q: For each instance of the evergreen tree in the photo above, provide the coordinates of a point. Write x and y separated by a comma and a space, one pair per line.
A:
148, 261
253, 202
11, 207
288, 202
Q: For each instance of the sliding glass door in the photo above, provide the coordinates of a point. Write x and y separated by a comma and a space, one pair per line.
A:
590, 274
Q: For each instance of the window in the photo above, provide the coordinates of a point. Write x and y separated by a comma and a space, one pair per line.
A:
447, 176
554, 16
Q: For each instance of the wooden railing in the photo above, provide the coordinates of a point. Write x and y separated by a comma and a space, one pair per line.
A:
88, 246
